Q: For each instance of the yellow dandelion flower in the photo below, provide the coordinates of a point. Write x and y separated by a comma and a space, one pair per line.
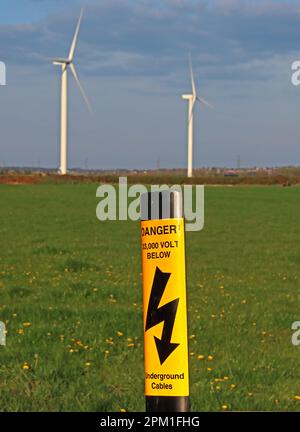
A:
71, 350
200, 357
192, 354
106, 353
297, 398
21, 331
224, 407
232, 386
26, 324
88, 364
119, 333
26, 366
226, 378
130, 345
210, 358
209, 369
123, 410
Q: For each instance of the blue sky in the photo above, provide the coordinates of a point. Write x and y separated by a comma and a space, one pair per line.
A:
132, 59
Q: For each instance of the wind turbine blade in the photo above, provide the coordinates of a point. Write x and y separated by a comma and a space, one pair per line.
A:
192, 78
205, 102
73, 44
72, 67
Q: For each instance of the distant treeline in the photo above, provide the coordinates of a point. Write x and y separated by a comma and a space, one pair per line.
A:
275, 176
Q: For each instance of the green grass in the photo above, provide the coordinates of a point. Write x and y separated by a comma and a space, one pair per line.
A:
77, 282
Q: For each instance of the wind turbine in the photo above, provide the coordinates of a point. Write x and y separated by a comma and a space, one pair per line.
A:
192, 98
65, 63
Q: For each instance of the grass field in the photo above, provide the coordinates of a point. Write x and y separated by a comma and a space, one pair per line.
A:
71, 296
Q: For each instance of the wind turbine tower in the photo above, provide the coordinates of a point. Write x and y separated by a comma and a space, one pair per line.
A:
192, 98
66, 63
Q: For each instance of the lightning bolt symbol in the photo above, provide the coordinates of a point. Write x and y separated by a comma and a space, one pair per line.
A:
165, 313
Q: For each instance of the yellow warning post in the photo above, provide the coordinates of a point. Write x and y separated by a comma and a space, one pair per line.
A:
165, 313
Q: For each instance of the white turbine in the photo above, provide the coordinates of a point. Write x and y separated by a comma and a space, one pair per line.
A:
64, 63
192, 98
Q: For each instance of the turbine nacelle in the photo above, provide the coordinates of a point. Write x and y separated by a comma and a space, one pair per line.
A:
61, 62
187, 96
